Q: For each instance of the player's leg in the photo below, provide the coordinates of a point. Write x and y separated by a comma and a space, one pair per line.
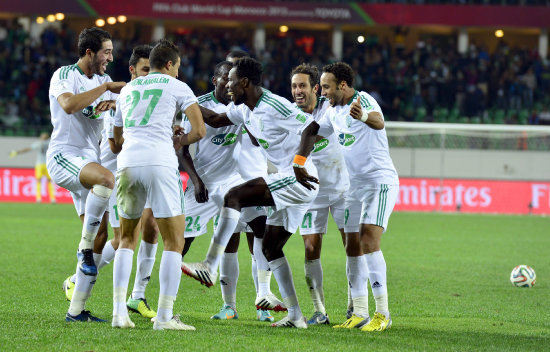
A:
144, 265
356, 268
101, 181
229, 275
252, 193
261, 314
377, 207
51, 187
38, 178
111, 246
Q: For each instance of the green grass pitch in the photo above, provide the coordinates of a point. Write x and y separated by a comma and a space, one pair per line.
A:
448, 282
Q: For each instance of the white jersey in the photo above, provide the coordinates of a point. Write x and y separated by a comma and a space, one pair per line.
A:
277, 125
365, 150
41, 148
217, 153
252, 160
328, 159
146, 108
81, 130
107, 157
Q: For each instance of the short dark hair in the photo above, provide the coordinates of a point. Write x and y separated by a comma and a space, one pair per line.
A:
92, 38
251, 69
218, 68
140, 52
163, 52
342, 72
307, 69
238, 54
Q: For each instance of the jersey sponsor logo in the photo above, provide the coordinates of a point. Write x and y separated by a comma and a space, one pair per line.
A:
263, 143
320, 145
346, 139
224, 139
301, 118
89, 112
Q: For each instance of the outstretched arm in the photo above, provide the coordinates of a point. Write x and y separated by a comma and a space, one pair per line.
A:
72, 103
213, 119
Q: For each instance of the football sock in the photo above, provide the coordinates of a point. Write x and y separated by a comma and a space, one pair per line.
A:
283, 275
93, 213
145, 262
108, 255
38, 190
169, 279
314, 280
229, 274
377, 276
357, 278
229, 219
255, 273
82, 290
263, 271
122, 268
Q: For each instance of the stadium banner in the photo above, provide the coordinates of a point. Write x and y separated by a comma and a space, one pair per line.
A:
18, 185
474, 196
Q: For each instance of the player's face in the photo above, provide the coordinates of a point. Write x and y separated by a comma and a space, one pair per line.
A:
235, 88
331, 90
220, 85
141, 69
304, 95
173, 70
101, 59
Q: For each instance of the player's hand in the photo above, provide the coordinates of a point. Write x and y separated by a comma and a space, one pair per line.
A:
304, 178
13, 153
105, 105
355, 110
115, 87
176, 138
201, 192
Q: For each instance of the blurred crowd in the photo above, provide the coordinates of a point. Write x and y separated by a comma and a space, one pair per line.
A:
431, 82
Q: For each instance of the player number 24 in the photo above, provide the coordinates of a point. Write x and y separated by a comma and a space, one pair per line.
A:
135, 98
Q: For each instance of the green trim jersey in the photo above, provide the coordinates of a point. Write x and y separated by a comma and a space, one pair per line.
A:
217, 154
327, 157
277, 125
81, 130
146, 108
365, 150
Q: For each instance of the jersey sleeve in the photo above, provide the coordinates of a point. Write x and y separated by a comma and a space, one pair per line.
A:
118, 121
369, 104
185, 96
235, 114
62, 82
325, 126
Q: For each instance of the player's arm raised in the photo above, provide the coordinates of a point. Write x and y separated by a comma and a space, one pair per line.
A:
198, 129
72, 103
213, 119
373, 118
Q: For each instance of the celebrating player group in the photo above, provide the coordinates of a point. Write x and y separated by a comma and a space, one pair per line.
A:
328, 153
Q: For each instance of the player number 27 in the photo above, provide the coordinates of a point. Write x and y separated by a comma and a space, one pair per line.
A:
135, 98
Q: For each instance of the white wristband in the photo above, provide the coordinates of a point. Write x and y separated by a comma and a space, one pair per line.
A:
365, 116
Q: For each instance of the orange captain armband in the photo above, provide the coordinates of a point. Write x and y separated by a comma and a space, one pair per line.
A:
299, 161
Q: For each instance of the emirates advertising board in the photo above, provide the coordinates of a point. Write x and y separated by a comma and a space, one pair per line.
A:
415, 194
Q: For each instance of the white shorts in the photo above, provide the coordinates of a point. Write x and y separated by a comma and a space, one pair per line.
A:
64, 168
316, 218
197, 214
291, 199
371, 204
161, 185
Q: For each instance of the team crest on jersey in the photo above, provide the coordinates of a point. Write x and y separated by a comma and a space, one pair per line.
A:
263, 143
224, 139
320, 145
346, 139
89, 112
82, 89
301, 117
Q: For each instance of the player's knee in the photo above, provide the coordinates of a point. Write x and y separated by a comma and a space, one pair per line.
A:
272, 253
107, 179
231, 199
102, 191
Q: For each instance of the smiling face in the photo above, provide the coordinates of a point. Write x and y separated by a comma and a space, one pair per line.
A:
235, 87
331, 90
101, 59
220, 85
304, 95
